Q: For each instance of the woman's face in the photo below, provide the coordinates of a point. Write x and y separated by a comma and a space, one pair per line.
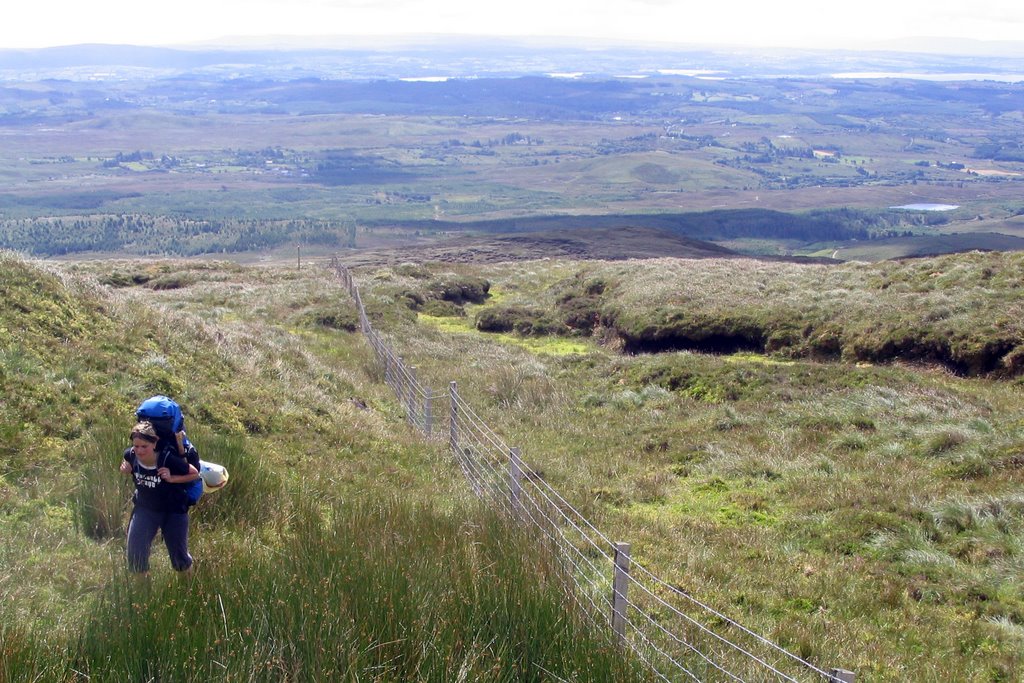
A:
144, 450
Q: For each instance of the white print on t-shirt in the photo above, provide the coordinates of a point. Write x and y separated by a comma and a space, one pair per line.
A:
149, 481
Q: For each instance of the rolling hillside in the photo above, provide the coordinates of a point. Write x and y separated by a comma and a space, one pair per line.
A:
283, 589
862, 514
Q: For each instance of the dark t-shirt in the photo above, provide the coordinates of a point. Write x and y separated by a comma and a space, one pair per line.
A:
152, 492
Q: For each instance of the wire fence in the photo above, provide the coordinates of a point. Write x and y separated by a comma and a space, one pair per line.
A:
676, 635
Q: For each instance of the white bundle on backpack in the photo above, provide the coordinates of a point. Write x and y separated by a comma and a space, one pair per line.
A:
214, 476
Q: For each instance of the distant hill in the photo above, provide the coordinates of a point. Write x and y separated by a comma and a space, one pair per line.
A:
597, 243
952, 46
928, 245
346, 57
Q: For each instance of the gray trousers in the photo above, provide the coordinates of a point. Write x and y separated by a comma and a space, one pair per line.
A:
142, 530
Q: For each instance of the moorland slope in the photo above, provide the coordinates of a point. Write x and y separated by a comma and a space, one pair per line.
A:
862, 514
309, 565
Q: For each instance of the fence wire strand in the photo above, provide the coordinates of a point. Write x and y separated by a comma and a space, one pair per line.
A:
499, 476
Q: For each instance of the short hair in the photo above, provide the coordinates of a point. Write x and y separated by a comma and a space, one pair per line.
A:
145, 431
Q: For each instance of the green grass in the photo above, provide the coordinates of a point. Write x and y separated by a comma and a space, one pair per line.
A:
361, 597
310, 564
554, 346
958, 311
864, 515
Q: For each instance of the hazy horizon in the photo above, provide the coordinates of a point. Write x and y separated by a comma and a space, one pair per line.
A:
800, 24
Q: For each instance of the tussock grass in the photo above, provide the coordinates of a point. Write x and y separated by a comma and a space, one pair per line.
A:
100, 503
302, 571
960, 311
361, 597
863, 515
819, 502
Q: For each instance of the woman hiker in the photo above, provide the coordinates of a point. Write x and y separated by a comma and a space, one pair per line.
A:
160, 500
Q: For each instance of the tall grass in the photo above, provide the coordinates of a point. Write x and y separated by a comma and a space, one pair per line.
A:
101, 498
365, 590
384, 591
254, 493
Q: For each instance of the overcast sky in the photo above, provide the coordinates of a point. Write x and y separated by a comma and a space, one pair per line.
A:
795, 23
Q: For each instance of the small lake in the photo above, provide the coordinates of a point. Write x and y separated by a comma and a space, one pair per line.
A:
927, 207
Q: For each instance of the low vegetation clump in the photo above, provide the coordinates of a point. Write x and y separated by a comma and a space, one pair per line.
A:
459, 289
520, 319
443, 296
962, 312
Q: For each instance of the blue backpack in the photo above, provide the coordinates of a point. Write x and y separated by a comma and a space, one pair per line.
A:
165, 415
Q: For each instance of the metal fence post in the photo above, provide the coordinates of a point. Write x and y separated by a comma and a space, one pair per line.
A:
453, 417
410, 396
400, 378
841, 676
620, 587
428, 411
515, 481
364, 320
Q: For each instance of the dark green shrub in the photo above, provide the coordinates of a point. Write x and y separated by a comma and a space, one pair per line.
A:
580, 314
461, 289
783, 339
500, 318
122, 279
412, 299
413, 270
171, 281
825, 343
525, 321
595, 287
982, 356
1014, 360
332, 317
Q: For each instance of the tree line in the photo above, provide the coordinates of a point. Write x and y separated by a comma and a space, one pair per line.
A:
170, 235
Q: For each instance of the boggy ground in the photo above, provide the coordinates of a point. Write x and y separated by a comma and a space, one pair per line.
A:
864, 513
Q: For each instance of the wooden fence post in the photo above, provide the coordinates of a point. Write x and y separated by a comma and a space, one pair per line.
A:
841, 676
515, 482
620, 587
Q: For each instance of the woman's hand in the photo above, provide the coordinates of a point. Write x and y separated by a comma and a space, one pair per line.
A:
164, 473
126, 468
